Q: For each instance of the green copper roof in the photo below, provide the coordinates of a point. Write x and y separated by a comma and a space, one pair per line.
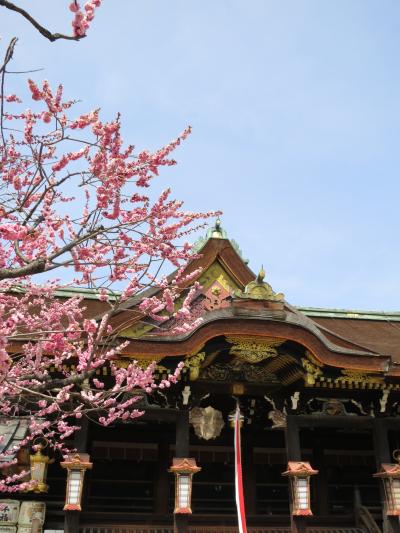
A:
393, 316
88, 294
320, 312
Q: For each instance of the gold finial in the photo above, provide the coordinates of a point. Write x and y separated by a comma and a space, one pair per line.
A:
260, 289
261, 275
217, 231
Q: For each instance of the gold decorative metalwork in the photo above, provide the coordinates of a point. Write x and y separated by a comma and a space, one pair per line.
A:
260, 290
225, 283
193, 363
144, 363
360, 380
207, 422
238, 389
311, 357
313, 371
253, 350
215, 273
217, 296
355, 376
238, 371
137, 330
216, 372
257, 373
215, 290
349, 379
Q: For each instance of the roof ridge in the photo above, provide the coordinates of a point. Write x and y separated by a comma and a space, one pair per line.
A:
349, 313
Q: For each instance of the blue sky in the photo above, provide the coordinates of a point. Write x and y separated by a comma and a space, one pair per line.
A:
295, 108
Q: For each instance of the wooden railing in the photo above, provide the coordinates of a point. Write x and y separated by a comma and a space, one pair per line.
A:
366, 520
363, 515
208, 529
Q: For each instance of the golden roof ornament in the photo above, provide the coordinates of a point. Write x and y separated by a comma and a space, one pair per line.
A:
260, 290
217, 232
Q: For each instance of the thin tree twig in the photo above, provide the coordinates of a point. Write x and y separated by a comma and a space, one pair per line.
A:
24, 71
9, 53
7, 59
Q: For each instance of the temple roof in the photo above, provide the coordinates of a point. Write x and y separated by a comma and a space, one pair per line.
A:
235, 300
381, 335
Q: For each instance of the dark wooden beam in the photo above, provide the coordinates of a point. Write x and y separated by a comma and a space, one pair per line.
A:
320, 481
292, 438
182, 434
81, 436
346, 421
249, 474
71, 523
161, 480
381, 442
160, 414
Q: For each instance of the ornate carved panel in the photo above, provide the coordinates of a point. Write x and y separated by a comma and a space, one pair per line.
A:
253, 350
240, 371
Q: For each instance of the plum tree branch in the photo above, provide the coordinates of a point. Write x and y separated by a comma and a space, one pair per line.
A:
41, 29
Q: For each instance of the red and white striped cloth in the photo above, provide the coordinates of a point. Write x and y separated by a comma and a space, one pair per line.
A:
238, 476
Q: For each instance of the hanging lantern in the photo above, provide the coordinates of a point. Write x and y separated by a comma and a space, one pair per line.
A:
76, 465
39, 463
390, 475
183, 470
299, 474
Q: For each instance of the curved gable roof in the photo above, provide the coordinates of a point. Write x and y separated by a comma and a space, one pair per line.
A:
329, 339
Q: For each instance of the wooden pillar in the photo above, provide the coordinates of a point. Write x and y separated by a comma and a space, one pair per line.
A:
292, 437
383, 455
81, 436
161, 480
181, 450
71, 520
293, 453
321, 481
249, 474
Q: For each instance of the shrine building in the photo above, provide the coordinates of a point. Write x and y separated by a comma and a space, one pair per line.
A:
319, 398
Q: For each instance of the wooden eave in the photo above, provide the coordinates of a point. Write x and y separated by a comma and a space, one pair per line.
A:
324, 353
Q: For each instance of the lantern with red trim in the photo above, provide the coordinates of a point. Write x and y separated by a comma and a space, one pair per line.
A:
299, 474
390, 476
76, 465
184, 469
